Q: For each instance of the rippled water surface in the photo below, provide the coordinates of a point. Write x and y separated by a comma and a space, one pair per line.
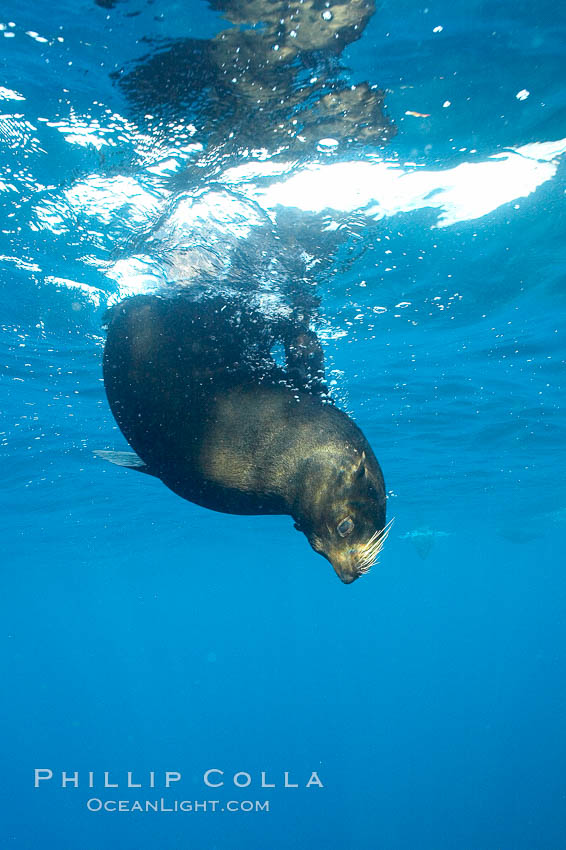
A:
422, 204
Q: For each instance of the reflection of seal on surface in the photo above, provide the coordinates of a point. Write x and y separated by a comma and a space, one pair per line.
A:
223, 426
285, 89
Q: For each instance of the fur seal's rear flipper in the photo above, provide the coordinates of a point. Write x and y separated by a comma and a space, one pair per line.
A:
304, 359
129, 460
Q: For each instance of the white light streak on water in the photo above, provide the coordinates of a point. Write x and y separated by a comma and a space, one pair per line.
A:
381, 189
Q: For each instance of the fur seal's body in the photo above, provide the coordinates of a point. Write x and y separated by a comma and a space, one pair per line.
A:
222, 426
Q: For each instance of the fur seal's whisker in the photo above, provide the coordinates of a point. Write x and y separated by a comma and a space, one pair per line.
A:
370, 552
371, 543
374, 536
380, 534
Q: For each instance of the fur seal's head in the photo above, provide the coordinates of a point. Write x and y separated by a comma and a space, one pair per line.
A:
345, 521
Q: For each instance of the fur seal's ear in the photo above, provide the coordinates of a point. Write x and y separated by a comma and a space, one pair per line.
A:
361, 468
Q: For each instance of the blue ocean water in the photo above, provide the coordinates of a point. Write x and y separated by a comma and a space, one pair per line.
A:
141, 633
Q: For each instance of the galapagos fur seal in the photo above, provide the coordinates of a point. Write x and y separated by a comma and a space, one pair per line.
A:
215, 418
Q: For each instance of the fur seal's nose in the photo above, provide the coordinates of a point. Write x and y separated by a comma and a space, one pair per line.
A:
348, 578
346, 572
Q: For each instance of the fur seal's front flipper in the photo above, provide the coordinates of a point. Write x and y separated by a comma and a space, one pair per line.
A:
129, 460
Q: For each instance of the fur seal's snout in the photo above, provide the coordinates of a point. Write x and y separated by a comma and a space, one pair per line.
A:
359, 559
348, 578
355, 561
341, 503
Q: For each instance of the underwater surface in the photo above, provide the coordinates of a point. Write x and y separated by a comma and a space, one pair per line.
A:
406, 179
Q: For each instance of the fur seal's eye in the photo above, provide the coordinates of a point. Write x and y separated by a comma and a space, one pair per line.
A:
345, 527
